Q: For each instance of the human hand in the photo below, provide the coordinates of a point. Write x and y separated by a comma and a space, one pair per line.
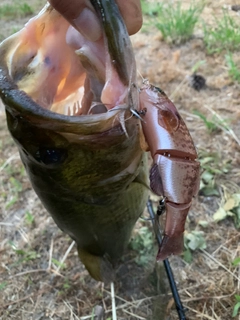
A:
81, 14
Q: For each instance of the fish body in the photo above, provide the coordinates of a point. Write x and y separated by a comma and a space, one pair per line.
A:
93, 186
88, 170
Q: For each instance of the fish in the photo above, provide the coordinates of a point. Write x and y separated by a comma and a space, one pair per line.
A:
83, 128
84, 161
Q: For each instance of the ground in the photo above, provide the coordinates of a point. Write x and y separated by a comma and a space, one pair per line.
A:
41, 276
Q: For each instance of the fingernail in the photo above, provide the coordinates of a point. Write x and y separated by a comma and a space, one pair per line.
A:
88, 24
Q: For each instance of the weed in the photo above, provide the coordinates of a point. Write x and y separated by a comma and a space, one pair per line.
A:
29, 218
11, 202
11, 11
233, 70
25, 255
15, 188
197, 65
14, 169
58, 263
215, 124
237, 306
177, 24
144, 244
151, 8
208, 185
212, 166
210, 124
212, 163
3, 285
236, 261
15, 30
192, 241
25, 9
66, 284
16, 184
230, 207
203, 223
225, 36
7, 11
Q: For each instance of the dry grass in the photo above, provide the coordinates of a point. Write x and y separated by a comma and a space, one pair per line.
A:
40, 274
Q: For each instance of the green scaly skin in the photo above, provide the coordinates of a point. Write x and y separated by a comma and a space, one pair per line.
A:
90, 175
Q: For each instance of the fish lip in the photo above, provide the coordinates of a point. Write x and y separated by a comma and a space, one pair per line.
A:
115, 36
119, 47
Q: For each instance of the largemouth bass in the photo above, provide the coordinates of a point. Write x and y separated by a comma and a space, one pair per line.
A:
85, 163
82, 127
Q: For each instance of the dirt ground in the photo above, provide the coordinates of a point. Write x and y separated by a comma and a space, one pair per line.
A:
41, 276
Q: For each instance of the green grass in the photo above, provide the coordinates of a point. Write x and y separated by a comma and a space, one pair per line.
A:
177, 24
2, 37
236, 261
236, 306
151, 8
23, 255
233, 70
29, 218
25, 9
225, 36
229, 208
3, 285
11, 11
144, 243
58, 263
193, 241
212, 166
15, 187
213, 125
210, 124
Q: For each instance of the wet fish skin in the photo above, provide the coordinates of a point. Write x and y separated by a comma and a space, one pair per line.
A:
69, 178
89, 171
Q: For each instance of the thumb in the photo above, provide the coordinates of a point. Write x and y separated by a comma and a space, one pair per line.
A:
81, 15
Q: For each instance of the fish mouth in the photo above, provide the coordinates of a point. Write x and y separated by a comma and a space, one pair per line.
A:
52, 71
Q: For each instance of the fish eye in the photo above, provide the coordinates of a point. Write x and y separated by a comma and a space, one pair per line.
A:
50, 156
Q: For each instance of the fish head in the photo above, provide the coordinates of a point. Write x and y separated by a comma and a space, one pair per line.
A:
61, 89
66, 73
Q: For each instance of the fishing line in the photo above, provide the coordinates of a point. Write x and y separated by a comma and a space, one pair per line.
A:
178, 303
114, 314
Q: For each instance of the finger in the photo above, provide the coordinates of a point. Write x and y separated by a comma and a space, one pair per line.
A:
81, 15
70, 9
132, 14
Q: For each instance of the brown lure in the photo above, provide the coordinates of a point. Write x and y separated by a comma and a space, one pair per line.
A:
175, 170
